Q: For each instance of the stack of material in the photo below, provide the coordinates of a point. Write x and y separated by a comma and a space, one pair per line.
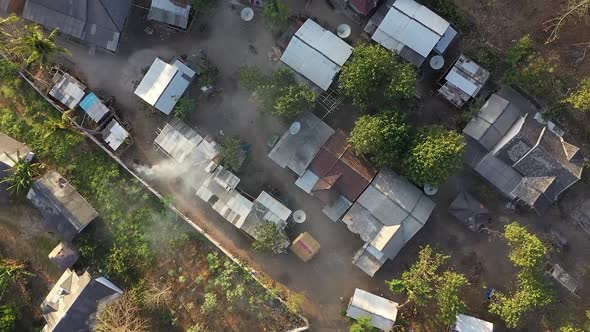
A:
305, 246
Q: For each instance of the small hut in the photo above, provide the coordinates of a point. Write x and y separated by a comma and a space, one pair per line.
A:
466, 323
382, 311
305, 246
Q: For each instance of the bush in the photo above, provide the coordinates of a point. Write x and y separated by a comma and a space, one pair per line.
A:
251, 78
231, 153
363, 324
184, 108
520, 51
295, 100
277, 13
211, 304
8, 318
580, 98
435, 156
384, 137
269, 238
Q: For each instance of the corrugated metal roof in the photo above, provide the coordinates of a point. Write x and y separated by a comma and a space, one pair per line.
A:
466, 323
423, 15
114, 135
409, 32
325, 42
94, 107
155, 81
68, 90
170, 13
178, 140
383, 312
276, 209
68, 16
172, 93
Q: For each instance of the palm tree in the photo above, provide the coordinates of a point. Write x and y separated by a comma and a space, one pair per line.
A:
64, 123
22, 175
37, 47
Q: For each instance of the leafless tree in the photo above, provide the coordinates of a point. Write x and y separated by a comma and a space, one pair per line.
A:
121, 315
157, 296
574, 10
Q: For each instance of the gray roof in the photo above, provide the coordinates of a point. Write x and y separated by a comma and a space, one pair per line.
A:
169, 12
10, 149
469, 211
64, 255
518, 154
383, 312
97, 22
177, 140
4, 193
389, 213
297, 151
68, 90
71, 304
61, 205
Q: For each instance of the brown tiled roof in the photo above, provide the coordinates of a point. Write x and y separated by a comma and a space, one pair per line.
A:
337, 162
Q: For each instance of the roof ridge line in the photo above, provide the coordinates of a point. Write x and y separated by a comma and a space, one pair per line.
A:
108, 14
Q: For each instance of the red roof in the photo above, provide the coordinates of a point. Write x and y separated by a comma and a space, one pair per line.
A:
364, 7
339, 168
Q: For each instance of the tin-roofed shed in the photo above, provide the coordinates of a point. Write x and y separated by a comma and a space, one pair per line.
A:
466, 323
177, 140
463, 81
174, 13
94, 107
383, 312
114, 135
61, 205
67, 90
469, 211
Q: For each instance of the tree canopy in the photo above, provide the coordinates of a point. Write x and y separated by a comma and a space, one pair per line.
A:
21, 176
425, 282
363, 324
373, 72
269, 238
526, 249
580, 98
384, 137
231, 153
295, 99
185, 106
435, 156
277, 13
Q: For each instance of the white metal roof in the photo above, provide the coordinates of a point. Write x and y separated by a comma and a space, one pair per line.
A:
275, 207
383, 312
173, 92
178, 140
170, 13
461, 82
114, 134
423, 15
409, 32
67, 90
466, 323
155, 82
324, 41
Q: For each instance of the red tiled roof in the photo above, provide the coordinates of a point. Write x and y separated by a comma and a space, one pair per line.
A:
364, 7
338, 165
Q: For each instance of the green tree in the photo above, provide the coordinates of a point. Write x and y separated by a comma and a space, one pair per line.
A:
8, 317
211, 303
374, 70
435, 156
231, 153
21, 177
269, 238
449, 297
184, 108
580, 98
526, 249
296, 99
11, 271
528, 252
202, 5
363, 324
384, 137
520, 50
570, 328
34, 46
251, 78
277, 13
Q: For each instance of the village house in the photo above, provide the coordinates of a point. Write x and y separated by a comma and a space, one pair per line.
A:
72, 304
466, 323
172, 12
524, 158
381, 311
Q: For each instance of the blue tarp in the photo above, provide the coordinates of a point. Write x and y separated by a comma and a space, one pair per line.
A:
94, 107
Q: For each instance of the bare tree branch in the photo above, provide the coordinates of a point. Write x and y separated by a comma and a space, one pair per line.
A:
574, 10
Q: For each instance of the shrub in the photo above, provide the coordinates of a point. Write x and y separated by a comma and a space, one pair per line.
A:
277, 13
251, 78
295, 99
8, 318
580, 98
211, 304
269, 238
184, 108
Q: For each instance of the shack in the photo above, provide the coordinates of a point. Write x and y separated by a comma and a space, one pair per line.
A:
93, 107
316, 53
466, 323
463, 81
114, 135
383, 312
410, 29
174, 13
164, 84
67, 90
63, 208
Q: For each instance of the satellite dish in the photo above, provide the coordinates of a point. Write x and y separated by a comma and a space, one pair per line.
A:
430, 190
437, 62
299, 216
295, 127
247, 14
343, 31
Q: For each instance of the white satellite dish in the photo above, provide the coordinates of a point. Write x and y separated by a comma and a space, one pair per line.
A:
247, 14
430, 190
343, 31
299, 216
437, 62
295, 127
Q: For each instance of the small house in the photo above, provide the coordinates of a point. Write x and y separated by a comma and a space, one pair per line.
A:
63, 208
386, 216
265, 208
316, 54
74, 301
463, 81
64, 255
305, 246
564, 278
171, 12
337, 176
164, 84
381, 311
93, 107
67, 90
469, 211
114, 135
526, 160
95, 23
299, 145
466, 323
411, 30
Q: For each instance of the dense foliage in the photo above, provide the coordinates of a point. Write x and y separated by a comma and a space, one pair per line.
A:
363, 324
527, 252
435, 155
425, 283
296, 99
269, 238
11, 271
231, 153
276, 13
185, 106
384, 137
373, 72
202, 5
21, 176
580, 98
8, 318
